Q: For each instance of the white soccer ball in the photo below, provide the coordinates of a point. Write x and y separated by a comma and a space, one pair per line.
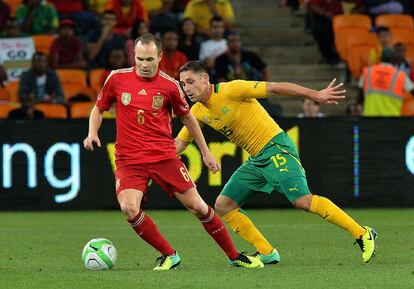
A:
99, 254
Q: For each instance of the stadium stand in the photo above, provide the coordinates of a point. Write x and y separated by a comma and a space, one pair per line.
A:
81, 109
52, 110
395, 21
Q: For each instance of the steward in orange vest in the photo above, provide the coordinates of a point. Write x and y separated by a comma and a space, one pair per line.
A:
385, 87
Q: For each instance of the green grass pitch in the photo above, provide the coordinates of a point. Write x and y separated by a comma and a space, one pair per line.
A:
43, 250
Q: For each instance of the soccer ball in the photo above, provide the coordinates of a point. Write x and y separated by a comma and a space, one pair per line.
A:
99, 254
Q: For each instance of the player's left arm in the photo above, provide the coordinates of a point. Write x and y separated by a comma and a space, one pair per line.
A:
329, 95
194, 129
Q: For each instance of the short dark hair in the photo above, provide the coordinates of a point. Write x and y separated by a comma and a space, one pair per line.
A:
169, 30
108, 11
216, 18
232, 33
195, 66
381, 29
148, 38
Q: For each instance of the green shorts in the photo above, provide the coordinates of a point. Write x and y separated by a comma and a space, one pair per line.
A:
276, 167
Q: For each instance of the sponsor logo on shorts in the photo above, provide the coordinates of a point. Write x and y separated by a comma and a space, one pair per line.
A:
285, 169
295, 188
117, 183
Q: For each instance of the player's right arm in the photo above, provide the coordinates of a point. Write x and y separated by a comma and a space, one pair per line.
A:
184, 137
95, 121
103, 103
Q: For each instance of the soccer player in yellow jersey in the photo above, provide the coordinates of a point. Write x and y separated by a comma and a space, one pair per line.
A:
232, 109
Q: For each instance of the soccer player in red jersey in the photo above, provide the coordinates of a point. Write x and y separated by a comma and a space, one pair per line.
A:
144, 98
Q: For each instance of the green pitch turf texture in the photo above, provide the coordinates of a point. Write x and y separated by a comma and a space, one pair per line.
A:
43, 250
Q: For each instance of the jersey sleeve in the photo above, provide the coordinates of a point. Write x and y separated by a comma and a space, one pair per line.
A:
184, 134
106, 96
243, 89
178, 102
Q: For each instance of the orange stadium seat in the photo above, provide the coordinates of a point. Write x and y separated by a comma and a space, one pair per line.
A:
95, 76
409, 54
395, 21
13, 5
358, 58
6, 108
402, 35
52, 110
43, 42
408, 107
342, 36
4, 94
74, 82
351, 21
81, 109
13, 88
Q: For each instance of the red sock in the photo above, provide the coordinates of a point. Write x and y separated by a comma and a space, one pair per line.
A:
215, 227
148, 231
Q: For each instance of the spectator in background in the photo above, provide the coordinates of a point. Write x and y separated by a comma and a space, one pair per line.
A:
311, 108
76, 10
178, 8
238, 63
384, 40
189, 40
12, 29
103, 40
26, 111
354, 109
127, 12
116, 60
36, 17
40, 83
384, 87
160, 17
4, 14
216, 45
67, 50
139, 28
399, 59
322, 12
202, 11
171, 59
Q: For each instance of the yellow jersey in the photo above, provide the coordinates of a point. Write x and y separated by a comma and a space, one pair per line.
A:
234, 111
199, 12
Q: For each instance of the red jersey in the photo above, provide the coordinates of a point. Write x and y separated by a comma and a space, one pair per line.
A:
143, 114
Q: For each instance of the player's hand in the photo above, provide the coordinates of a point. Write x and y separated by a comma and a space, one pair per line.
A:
212, 164
332, 94
89, 140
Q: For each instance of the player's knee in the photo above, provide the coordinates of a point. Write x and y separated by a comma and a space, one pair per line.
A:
303, 202
222, 206
130, 209
198, 208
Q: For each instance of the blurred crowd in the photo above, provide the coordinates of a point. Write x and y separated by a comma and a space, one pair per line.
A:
82, 41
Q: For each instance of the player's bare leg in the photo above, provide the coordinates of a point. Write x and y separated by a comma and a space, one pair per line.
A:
364, 236
215, 228
130, 202
240, 223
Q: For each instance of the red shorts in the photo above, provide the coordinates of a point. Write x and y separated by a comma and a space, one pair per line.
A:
170, 174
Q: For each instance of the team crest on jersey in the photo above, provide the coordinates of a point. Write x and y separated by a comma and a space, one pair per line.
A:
157, 101
125, 98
